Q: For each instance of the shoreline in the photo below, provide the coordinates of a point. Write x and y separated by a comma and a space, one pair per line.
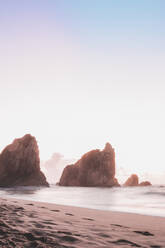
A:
88, 207
25, 223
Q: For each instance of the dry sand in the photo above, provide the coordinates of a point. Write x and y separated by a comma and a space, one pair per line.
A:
33, 224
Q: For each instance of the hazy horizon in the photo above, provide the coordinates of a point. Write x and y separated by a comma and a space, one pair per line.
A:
78, 74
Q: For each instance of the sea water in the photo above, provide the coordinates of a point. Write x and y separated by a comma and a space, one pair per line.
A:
148, 200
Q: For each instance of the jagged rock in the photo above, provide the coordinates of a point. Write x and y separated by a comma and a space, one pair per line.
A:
145, 183
20, 164
133, 180
95, 168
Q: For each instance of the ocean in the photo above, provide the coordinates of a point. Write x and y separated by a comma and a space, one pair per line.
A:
141, 200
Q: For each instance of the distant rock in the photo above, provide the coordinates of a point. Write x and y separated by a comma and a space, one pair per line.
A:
20, 164
95, 169
133, 180
145, 183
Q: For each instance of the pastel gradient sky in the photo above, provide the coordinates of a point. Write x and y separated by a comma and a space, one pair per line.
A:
79, 73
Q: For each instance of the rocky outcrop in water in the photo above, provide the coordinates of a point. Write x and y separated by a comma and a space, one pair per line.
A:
95, 168
145, 183
133, 180
20, 164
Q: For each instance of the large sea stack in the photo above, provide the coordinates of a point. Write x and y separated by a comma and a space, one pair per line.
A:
95, 169
20, 164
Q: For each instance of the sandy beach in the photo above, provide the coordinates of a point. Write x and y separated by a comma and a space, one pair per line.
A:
35, 224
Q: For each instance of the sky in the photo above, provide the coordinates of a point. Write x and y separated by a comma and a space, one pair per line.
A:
78, 74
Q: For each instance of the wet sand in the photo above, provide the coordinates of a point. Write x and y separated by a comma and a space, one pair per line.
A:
35, 224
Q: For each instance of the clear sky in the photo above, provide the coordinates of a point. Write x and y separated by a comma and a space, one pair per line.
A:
79, 73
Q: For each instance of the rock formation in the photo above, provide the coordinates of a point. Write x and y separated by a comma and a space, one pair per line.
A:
20, 164
145, 183
133, 180
95, 169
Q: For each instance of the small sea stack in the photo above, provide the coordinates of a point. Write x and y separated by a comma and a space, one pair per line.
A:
20, 164
133, 180
95, 169
145, 183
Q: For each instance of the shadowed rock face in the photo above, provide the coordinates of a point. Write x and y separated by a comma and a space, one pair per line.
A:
133, 180
20, 164
95, 168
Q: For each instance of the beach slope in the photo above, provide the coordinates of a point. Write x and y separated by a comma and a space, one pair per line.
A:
35, 224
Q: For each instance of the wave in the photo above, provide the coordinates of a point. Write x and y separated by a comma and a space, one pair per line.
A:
143, 200
155, 193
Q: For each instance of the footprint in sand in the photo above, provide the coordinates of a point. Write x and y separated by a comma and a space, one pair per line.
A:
30, 204
11, 223
69, 214
37, 232
63, 232
19, 221
3, 224
2, 232
155, 246
55, 210
49, 227
104, 235
30, 236
144, 233
88, 219
38, 225
124, 242
19, 208
49, 223
117, 225
68, 238
31, 215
